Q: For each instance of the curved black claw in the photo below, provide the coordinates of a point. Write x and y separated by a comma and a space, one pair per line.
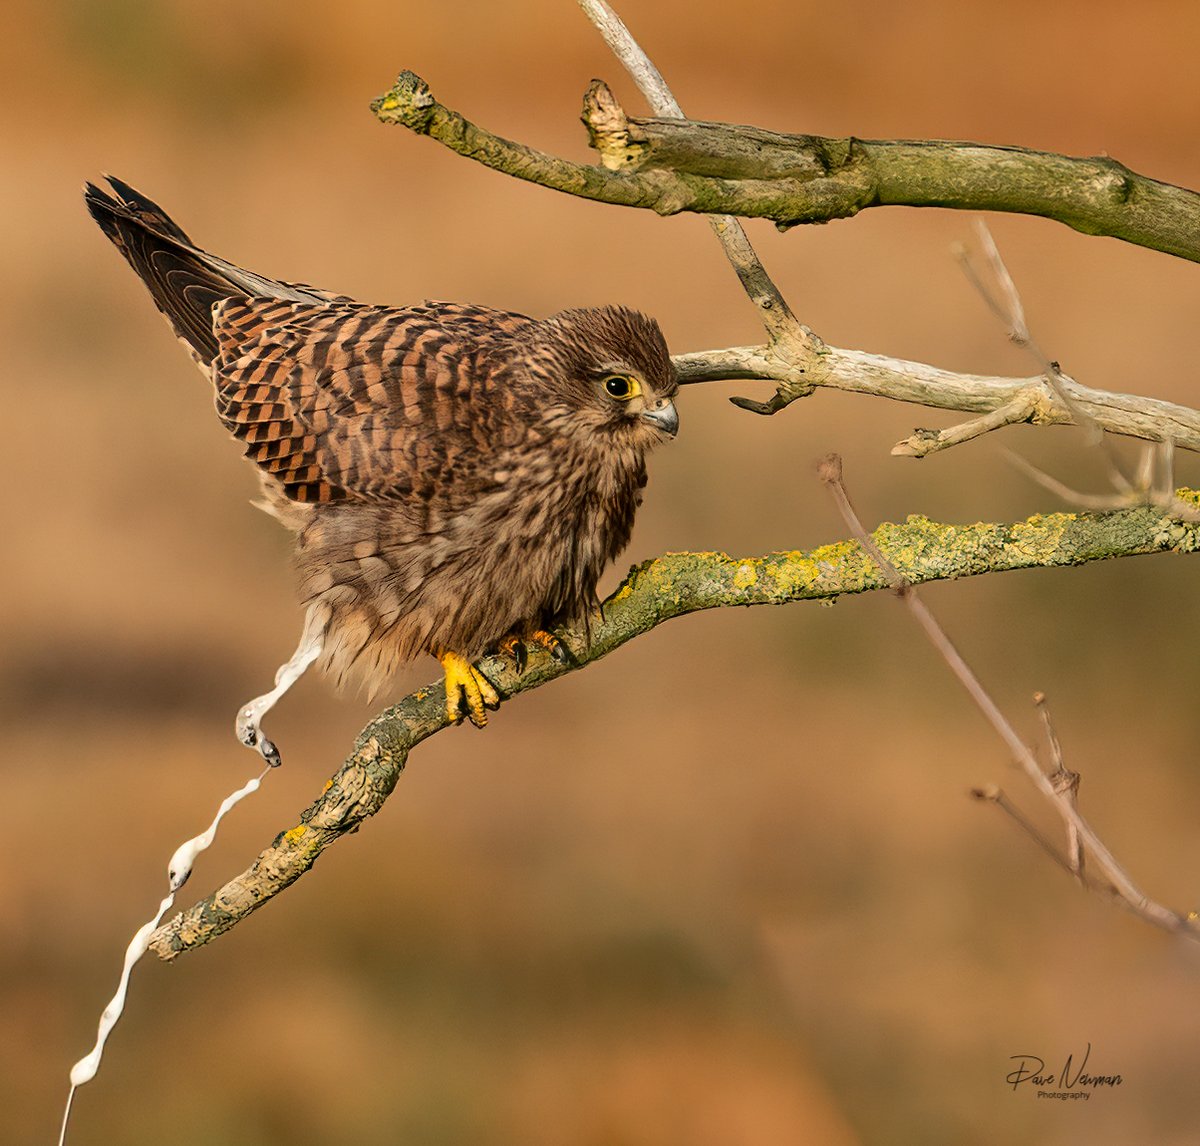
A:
552, 645
520, 655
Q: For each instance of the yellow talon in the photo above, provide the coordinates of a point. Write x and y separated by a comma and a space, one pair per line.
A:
463, 678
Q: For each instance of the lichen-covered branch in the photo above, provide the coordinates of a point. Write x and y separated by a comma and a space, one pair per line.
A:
673, 165
656, 591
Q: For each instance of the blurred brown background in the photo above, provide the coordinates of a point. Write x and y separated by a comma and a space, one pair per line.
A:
724, 887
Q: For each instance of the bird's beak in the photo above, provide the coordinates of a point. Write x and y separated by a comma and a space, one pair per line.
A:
664, 417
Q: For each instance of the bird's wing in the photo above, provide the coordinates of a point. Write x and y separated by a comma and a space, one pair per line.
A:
346, 401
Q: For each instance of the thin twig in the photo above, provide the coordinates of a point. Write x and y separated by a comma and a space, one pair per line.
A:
1153, 482
1065, 783
1096, 501
1009, 308
925, 442
830, 471
1150, 494
773, 310
994, 795
1006, 305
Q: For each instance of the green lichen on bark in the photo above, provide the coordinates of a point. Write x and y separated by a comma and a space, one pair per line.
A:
729, 169
655, 591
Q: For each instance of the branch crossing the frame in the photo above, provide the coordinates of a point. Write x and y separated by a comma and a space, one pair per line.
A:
655, 591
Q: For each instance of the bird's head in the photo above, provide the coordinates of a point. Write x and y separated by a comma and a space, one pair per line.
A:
611, 369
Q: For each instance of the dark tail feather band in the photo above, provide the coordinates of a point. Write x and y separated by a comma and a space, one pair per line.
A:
184, 281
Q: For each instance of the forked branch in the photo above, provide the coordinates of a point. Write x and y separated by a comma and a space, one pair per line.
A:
794, 358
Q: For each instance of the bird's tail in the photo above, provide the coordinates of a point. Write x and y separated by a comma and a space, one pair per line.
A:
184, 281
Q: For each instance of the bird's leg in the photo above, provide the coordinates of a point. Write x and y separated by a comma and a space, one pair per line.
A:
249, 717
464, 678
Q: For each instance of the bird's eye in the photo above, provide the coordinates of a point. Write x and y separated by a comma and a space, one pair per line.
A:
622, 387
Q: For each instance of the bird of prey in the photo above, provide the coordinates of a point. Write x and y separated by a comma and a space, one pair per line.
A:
457, 477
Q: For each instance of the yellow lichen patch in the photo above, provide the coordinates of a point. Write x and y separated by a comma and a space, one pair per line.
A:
1040, 533
840, 559
296, 834
328, 785
623, 592
745, 576
795, 573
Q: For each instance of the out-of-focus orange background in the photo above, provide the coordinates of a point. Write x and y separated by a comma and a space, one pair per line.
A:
724, 887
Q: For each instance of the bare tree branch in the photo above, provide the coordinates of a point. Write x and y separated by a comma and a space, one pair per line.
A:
654, 592
925, 442
798, 372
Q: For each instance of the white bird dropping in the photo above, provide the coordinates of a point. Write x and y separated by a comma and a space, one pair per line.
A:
178, 870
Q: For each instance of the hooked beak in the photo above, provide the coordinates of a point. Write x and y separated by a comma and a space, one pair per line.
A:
664, 417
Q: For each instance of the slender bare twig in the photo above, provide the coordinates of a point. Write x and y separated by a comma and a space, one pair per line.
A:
1066, 785
1096, 501
1006, 305
1153, 482
992, 794
830, 471
1146, 490
925, 442
773, 310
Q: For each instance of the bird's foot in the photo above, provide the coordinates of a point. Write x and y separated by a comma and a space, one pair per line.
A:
516, 647
464, 679
552, 645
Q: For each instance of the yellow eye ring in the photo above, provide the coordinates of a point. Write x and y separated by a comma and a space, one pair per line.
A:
622, 387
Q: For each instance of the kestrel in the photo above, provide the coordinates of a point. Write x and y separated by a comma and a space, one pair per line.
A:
457, 477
